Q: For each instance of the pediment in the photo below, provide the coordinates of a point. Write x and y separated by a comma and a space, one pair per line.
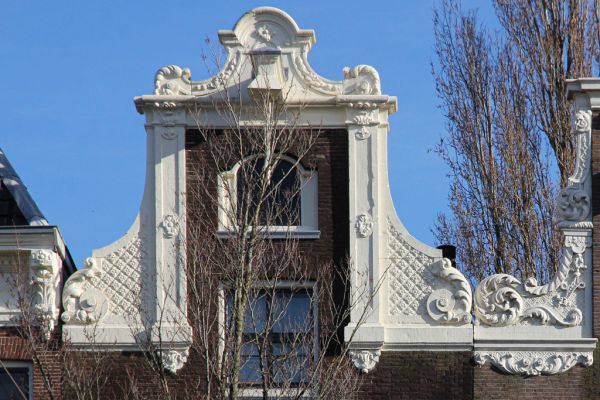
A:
267, 42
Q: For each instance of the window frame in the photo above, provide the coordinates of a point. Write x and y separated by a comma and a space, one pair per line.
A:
309, 209
21, 364
254, 390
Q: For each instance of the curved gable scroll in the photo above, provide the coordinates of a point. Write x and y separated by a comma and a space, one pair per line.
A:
260, 30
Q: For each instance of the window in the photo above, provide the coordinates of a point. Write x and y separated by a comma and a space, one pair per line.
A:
15, 380
288, 205
279, 336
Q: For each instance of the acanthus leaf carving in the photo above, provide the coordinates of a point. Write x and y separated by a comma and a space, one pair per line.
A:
364, 120
533, 363
44, 268
172, 80
361, 80
365, 360
499, 302
446, 306
83, 303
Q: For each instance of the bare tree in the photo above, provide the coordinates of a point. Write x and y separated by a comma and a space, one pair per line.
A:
503, 94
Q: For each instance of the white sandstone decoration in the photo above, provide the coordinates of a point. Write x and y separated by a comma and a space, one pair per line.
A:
414, 300
44, 266
365, 360
530, 329
173, 359
533, 363
407, 296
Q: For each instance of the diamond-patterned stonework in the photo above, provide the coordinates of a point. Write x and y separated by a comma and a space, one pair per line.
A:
410, 282
120, 279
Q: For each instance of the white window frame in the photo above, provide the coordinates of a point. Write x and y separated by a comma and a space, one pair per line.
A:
12, 263
21, 364
253, 392
309, 206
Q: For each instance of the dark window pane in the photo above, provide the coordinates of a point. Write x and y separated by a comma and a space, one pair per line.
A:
250, 371
13, 383
290, 363
281, 206
292, 312
287, 338
255, 316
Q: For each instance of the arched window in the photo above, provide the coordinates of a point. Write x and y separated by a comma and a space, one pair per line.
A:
281, 196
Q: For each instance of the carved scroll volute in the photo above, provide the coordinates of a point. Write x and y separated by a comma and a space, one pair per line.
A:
361, 80
83, 303
172, 81
44, 270
450, 305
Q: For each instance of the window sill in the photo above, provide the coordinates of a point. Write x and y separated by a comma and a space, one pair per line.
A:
284, 394
282, 232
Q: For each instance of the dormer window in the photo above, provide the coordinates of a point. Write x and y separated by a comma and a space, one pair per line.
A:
279, 199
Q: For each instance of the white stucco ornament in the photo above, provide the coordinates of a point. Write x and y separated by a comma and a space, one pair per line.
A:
173, 359
45, 270
364, 225
406, 295
365, 360
510, 313
534, 363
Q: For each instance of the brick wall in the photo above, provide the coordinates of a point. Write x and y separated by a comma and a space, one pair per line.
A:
420, 375
14, 348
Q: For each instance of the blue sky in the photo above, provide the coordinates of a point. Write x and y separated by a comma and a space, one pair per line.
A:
71, 69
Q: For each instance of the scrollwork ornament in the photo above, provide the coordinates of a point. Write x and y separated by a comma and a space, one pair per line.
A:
364, 225
361, 80
172, 80
533, 363
365, 360
83, 303
450, 306
499, 302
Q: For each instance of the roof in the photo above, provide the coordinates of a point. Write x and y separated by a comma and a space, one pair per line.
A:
25, 203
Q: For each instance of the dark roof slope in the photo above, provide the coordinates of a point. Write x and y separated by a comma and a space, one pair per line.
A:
16, 205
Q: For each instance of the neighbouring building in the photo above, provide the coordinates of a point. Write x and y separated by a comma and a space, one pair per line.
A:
415, 328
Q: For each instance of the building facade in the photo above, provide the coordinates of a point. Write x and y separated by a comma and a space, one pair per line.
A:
407, 319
